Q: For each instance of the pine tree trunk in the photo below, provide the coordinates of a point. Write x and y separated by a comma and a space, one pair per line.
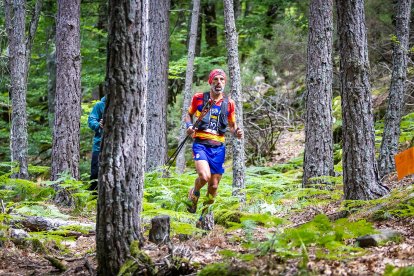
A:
236, 90
209, 9
121, 175
180, 164
237, 9
15, 19
51, 69
318, 158
361, 179
391, 135
66, 130
157, 84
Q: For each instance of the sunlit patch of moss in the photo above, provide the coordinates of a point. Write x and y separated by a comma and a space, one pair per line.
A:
224, 269
398, 204
226, 217
327, 237
398, 271
228, 254
184, 228
265, 220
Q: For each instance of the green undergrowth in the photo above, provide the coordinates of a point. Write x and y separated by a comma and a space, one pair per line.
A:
272, 193
396, 205
406, 135
398, 271
327, 239
41, 209
47, 242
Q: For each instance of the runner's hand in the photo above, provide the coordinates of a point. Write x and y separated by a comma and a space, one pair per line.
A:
238, 133
191, 130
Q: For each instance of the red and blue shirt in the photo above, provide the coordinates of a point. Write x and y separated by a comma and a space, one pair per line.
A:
211, 132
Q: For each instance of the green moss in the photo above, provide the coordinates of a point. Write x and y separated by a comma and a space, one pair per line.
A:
38, 246
398, 271
77, 228
223, 269
51, 240
226, 217
328, 238
140, 262
404, 209
265, 220
56, 263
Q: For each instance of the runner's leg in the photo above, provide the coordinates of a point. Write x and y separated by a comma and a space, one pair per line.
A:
204, 175
213, 184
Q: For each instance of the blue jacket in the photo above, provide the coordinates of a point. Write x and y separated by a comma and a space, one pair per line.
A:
93, 122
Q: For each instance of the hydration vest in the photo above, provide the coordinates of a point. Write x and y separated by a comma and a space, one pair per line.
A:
222, 117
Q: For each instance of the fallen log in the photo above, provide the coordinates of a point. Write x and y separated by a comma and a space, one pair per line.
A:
37, 224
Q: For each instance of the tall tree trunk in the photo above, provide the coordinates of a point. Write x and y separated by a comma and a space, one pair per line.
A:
51, 85
157, 84
51, 63
15, 12
101, 24
121, 174
237, 9
391, 135
209, 10
236, 94
197, 52
66, 131
318, 158
180, 163
361, 179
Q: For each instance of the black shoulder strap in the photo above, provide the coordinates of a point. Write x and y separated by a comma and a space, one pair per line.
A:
225, 103
206, 97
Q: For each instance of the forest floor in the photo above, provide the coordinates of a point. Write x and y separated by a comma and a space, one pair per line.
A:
201, 250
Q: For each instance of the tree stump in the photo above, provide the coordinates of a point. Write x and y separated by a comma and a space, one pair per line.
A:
160, 229
206, 222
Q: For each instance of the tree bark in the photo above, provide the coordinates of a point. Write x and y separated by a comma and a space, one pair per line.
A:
361, 179
160, 230
15, 14
209, 10
157, 84
318, 158
235, 91
237, 9
121, 174
66, 131
391, 135
180, 163
51, 69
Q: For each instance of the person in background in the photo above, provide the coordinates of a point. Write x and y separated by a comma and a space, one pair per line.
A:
208, 146
95, 122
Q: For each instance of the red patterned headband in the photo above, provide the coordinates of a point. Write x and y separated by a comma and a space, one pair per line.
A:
214, 73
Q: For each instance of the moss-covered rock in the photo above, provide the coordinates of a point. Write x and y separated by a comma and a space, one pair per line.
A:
227, 217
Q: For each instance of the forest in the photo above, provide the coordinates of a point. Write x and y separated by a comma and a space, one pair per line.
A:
319, 146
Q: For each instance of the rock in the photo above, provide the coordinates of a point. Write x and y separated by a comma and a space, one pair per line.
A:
18, 236
384, 236
160, 230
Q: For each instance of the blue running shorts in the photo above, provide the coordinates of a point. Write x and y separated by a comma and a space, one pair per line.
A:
214, 155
